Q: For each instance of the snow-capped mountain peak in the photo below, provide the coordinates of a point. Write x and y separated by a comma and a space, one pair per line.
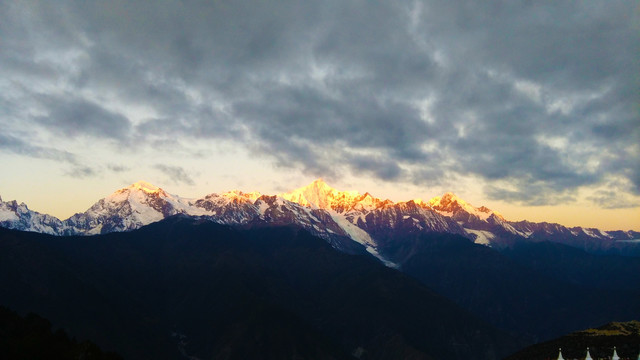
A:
144, 198
145, 187
137, 191
320, 195
136, 205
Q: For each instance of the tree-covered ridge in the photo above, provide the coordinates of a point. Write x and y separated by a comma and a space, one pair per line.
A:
630, 328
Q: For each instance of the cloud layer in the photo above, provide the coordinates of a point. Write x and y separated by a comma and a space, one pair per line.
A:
535, 100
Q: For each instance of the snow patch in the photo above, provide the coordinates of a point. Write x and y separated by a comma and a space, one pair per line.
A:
386, 262
590, 233
8, 215
141, 210
262, 207
482, 237
95, 231
604, 233
360, 236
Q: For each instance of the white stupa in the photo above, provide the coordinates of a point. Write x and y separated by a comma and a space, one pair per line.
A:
588, 355
560, 354
615, 354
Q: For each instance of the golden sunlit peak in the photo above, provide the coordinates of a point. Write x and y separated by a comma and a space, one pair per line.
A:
435, 201
446, 199
145, 186
320, 183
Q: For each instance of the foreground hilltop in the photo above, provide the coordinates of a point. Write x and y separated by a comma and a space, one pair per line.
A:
624, 337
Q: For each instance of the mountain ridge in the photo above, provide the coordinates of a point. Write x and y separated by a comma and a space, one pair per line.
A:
340, 217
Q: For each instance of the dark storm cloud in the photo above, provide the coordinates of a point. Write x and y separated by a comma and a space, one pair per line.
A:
176, 173
541, 95
301, 113
74, 117
385, 169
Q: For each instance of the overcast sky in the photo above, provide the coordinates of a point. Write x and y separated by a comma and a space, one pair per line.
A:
523, 105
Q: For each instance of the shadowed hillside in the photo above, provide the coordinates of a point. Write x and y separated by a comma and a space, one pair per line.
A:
31, 338
196, 288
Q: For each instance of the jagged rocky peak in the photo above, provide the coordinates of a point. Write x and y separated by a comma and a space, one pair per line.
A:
451, 205
367, 202
237, 195
227, 199
20, 217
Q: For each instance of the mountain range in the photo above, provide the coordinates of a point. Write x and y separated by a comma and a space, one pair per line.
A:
311, 260
348, 220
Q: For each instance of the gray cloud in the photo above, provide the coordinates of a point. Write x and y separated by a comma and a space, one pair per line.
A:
118, 168
386, 169
18, 146
538, 193
80, 171
608, 199
176, 173
538, 94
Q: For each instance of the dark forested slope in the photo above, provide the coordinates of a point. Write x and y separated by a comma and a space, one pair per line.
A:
190, 287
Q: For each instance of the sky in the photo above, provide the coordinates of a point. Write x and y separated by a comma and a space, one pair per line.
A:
531, 108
